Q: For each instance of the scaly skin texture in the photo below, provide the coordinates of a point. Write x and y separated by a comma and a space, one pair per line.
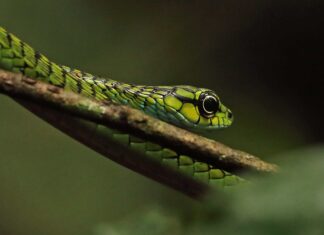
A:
180, 105
185, 106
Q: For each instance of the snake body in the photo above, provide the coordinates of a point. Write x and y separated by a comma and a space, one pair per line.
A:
184, 106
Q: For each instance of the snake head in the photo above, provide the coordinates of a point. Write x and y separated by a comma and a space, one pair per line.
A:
184, 106
197, 108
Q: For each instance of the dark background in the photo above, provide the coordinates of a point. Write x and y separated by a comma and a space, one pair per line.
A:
264, 58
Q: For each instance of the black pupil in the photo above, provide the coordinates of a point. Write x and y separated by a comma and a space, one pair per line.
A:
210, 104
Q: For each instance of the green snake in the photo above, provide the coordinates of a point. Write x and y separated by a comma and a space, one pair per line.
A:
184, 106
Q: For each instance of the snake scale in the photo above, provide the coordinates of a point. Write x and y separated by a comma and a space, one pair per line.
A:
184, 106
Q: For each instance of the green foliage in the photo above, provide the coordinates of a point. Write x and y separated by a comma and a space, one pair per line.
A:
291, 202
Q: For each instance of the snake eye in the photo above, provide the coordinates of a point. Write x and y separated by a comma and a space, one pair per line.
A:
208, 105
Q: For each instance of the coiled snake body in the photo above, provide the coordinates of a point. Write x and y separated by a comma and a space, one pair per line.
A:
184, 106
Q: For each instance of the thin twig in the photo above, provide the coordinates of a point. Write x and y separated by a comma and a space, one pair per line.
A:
134, 122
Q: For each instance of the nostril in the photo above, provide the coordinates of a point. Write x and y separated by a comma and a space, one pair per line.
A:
229, 115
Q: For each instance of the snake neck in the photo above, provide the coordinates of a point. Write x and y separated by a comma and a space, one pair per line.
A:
173, 104
19, 57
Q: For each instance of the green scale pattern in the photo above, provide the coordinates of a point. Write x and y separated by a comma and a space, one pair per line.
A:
183, 163
174, 104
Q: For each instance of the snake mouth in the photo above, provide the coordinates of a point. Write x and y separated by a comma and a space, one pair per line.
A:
229, 115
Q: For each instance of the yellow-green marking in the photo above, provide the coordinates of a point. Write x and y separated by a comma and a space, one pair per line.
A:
184, 106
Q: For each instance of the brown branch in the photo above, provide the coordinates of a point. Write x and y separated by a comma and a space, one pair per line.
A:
86, 132
134, 122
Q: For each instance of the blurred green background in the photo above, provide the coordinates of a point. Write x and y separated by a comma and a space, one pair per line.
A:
262, 57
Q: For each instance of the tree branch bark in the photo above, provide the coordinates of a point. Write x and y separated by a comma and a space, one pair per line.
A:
134, 122
86, 133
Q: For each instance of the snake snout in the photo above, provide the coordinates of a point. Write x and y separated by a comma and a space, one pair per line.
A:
230, 115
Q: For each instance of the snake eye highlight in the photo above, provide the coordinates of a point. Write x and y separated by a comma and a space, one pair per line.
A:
208, 105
